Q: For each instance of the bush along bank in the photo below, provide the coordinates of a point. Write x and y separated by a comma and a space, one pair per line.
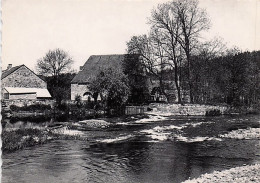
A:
27, 111
64, 111
213, 112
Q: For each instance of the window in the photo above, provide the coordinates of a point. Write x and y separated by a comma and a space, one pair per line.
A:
6, 96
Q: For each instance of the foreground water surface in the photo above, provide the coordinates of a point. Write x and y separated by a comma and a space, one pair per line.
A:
159, 149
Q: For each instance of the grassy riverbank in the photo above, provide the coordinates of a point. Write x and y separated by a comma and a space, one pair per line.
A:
21, 138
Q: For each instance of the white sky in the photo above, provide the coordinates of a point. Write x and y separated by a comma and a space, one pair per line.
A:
93, 27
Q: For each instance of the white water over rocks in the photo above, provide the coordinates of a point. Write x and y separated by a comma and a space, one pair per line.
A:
152, 118
94, 123
196, 124
195, 139
117, 139
66, 131
155, 135
250, 133
162, 133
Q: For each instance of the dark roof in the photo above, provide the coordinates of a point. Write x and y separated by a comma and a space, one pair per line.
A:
9, 71
94, 64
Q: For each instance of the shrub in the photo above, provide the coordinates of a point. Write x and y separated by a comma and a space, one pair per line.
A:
213, 112
37, 118
63, 107
78, 100
31, 108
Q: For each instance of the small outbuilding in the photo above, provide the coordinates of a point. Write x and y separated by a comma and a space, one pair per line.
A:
22, 83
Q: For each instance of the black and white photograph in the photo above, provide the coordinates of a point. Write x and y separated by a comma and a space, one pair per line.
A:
130, 91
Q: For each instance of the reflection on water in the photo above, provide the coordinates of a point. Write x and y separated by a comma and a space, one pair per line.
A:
138, 158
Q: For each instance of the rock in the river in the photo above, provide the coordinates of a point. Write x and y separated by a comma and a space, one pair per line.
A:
95, 123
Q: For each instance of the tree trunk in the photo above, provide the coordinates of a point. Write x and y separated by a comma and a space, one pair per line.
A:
176, 78
189, 75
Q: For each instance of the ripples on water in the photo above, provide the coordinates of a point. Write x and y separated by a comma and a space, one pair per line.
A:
137, 151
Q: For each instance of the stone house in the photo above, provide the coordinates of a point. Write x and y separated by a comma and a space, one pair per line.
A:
95, 63
20, 82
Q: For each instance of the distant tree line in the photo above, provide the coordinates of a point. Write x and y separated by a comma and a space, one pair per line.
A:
232, 78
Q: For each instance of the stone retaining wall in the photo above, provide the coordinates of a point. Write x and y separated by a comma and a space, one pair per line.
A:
187, 109
130, 110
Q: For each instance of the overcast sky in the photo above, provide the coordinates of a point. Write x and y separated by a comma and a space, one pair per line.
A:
94, 27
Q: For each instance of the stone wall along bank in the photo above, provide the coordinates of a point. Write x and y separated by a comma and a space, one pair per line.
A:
187, 109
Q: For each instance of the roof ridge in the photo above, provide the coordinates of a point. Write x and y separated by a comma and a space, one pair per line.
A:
92, 64
10, 71
107, 54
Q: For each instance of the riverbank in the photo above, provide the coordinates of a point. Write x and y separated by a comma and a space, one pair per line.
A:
21, 138
249, 173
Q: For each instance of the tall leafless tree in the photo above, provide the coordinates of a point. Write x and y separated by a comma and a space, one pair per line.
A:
175, 33
166, 23
193, 20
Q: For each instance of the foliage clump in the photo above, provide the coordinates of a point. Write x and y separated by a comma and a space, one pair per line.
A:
213, 112
112, 86
30, 108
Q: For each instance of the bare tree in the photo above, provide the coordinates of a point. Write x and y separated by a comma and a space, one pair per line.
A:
142, 45
54, 63
193, 20
175, 31
159, 48
166, 24
153, 54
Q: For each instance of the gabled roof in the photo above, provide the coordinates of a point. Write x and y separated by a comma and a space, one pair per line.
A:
40, 92
94, 64
5, 73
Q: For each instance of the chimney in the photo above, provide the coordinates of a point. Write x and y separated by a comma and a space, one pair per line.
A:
9, 66
80, 68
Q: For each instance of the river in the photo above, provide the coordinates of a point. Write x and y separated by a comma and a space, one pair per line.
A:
159, 149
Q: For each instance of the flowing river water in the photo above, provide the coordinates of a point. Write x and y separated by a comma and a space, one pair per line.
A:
154, 150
